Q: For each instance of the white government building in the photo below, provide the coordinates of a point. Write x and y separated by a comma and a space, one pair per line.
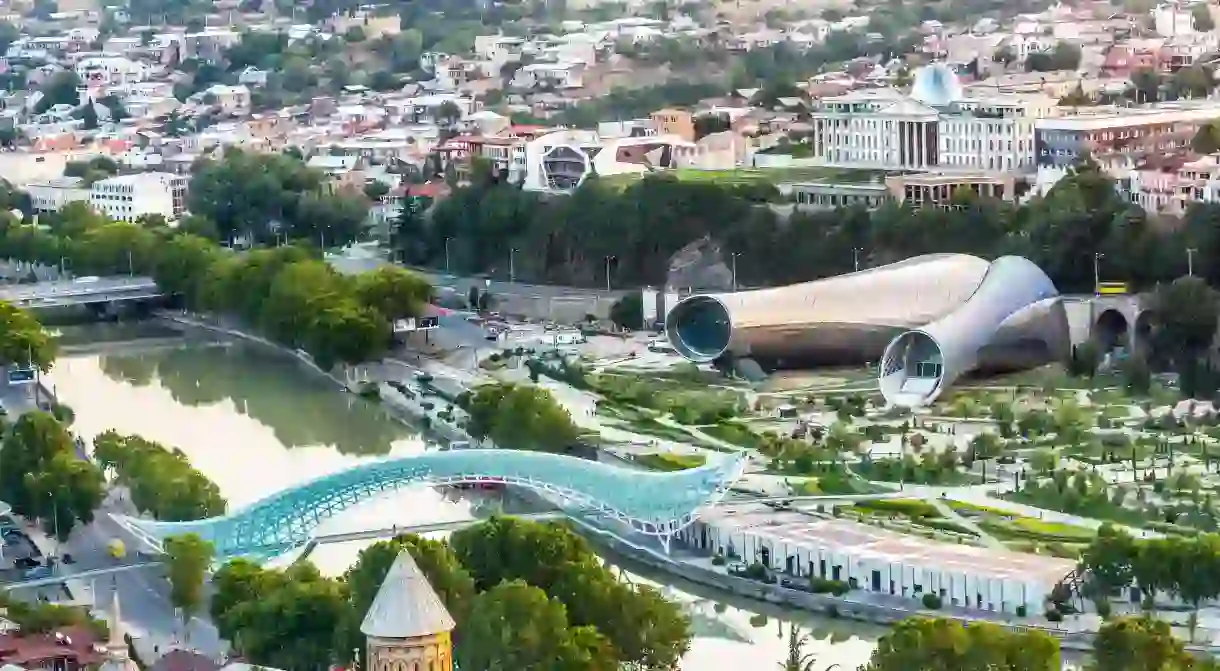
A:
936, 126
879, 561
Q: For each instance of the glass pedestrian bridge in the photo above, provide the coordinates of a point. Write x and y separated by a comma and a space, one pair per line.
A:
652, 503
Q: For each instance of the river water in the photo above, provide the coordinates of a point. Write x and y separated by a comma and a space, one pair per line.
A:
255, 422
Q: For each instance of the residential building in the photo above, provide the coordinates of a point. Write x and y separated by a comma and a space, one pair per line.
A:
1116, 137
127, 197
53, 194
111, 70
675, 122
562, 75
67, 649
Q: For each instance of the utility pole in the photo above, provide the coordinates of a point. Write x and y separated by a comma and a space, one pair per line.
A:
131, 268
1190, 261
512, 265
855, 259
447, 239
608, 260
734, 272
1097, 257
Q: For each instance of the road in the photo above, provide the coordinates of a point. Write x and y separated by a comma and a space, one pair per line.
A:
147, 612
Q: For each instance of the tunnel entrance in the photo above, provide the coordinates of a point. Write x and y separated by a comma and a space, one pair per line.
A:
1111, 330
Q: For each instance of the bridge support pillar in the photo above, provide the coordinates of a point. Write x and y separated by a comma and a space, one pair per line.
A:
666, 543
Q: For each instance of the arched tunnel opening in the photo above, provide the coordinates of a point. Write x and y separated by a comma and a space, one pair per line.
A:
699, 328
1111, 330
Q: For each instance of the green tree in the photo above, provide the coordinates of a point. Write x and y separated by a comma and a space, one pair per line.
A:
1110, 560
1202, 18
1138, 644
521, 417
162, 481
921, 644
1186, 313
628, 311
23, 341
59, 89
394, 292
1206, 139
515, 626
88, 116
42, 478
188, 559
797, 659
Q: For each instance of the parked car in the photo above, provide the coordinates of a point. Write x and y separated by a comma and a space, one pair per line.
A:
38, 572
26, 562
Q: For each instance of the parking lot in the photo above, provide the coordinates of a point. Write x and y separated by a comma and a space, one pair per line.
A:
21, 560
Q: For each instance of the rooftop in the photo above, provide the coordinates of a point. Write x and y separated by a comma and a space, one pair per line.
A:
864, 541
406, 606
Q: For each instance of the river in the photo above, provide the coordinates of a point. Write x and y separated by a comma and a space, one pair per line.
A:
255, 422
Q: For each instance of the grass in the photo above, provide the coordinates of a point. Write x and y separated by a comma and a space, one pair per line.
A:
1028, 529
735, 433
649, 426
668, 461
832, 483
910, 508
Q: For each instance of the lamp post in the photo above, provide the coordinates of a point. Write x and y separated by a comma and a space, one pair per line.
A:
447, 239
609, 258
1097, 257
1190, 261
855, 259
734, 272
512, 265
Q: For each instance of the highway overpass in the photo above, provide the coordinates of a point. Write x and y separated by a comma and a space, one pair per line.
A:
77, 292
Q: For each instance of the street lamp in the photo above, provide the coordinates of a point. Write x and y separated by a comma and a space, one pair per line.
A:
855, 258
734, 272
1190, 261
447, 239
512, 265
608, 260
1097, 257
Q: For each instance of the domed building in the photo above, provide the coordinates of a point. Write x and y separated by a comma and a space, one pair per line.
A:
937, 126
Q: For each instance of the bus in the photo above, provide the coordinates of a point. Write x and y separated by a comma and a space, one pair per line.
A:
1112, 289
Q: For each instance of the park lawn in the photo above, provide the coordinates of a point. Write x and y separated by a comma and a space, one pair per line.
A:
1036, 530
735, 433
668, 461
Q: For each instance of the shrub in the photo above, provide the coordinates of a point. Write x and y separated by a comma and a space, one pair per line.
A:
758, 620
912, 508
1103, 608
824, 586
932, 601
1053, 615
718, 560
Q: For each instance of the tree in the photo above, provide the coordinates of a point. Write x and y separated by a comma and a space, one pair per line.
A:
42, 478
376, 189
61, 88
394, 292
628, 311
521, 417
293, 623
797, 659
188, 559
1202, 18
23, 340
88, 116
921, 644
515, 626
1109, 560
1138, 644
1206, 139
1186, 314
162, 481
1136, 375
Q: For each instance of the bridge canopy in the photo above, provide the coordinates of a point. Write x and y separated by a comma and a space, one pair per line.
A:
657, 504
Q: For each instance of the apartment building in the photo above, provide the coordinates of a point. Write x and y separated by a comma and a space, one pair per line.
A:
1117, 137
53, 194
127, 197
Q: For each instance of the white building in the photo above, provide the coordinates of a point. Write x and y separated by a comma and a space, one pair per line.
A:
111, 70
53, 194
936, 126
127, 197
566, 75
561, 161
1170, 20
874, 560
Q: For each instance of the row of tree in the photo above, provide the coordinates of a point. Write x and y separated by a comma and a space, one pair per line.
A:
524, 596
43, 477
290, 293
632, 232
1185, 568
923, 644
162, 481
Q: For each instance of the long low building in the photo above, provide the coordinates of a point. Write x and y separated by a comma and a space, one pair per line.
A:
879, 561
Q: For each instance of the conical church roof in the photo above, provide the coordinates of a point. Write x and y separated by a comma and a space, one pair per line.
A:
406, 606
